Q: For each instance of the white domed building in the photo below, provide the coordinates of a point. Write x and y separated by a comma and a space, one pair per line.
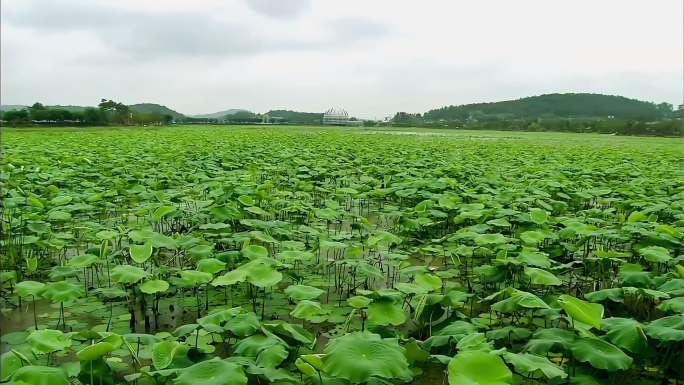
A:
336, 117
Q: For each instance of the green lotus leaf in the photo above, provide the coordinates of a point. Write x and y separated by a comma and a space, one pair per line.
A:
455, 331
262, 275
358, 301
230, 278
615, 294
195, 278
478, 368
141, 253
272, 356
539, 216
295, 255
625, 333
541, 277
243, 324
674, 305
428, 281
289, 332
29, 288
210, 265
39, 227
383, 237
81, 261
214, 226
186, 329
252, 345
61, 200
157, 240
499, 222
600, 354
532, 237
367, 270
95, 351
62, 291
306, 368
415, 353
48, 340
490, 239
534, 258
219, 317
550, 340
128, 274
106, 234
154, 286
410, 288
474, 341
306, 309
59, 215
667, 328
589, 313
256, 210
162, 211
163, 353
385, 312
580, 378
246, 200
300, 292
511, 333
40, 375
212, 372
358, 356
59, 273
113, 292
530, 364
520, 299
655, 254
9, 363
673, 287
254, 252
201, 251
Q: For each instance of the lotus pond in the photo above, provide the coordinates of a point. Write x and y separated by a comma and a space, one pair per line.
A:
283, 255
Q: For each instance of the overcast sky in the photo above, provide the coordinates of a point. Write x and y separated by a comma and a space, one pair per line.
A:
372, 58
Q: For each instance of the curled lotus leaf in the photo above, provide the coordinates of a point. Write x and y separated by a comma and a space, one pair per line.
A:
600, 354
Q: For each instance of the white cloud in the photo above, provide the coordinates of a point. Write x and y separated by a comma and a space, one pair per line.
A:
372, 57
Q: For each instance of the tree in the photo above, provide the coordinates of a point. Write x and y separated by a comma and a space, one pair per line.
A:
116, 112
666, 110
407, 119
16, 116
38, 112
94, 116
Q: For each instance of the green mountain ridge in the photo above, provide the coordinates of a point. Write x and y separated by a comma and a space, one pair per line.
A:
219, 114
153, 108
565, 105
296, 117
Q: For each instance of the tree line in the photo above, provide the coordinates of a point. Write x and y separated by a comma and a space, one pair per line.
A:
107, 112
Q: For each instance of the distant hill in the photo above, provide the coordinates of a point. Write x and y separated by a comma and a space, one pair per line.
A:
12, 107
553, 105
68, 108
151, 108
296, 117
220, 114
